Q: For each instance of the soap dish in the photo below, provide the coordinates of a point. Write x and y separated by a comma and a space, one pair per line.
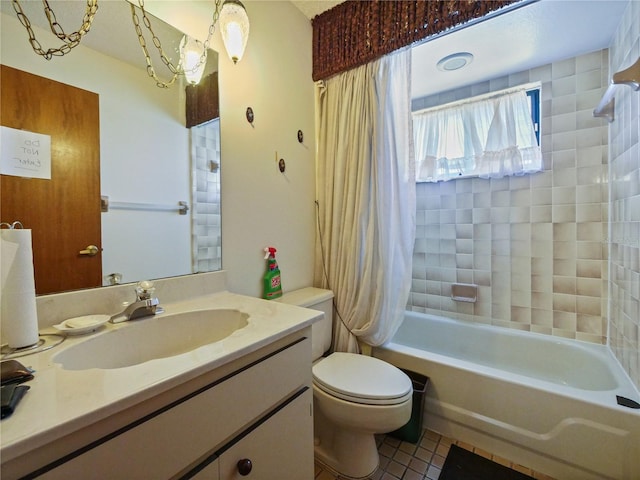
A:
464, 292
82, 325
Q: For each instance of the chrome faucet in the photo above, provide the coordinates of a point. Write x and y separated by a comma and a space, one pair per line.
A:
146, 304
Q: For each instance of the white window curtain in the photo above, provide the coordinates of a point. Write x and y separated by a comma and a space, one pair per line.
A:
366, 198
490, 138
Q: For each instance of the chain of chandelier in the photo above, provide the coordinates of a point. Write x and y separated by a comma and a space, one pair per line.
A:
232, 17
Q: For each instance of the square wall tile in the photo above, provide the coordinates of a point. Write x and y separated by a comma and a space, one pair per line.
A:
537, 245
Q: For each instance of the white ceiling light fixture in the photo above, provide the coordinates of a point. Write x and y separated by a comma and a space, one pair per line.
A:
193, 53
193, 58
234, 27
455, 61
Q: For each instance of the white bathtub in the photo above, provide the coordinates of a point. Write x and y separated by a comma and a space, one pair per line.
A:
541, 401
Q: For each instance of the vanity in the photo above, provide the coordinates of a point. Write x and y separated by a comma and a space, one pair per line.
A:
238, 407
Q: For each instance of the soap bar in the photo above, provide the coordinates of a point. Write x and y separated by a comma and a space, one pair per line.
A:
10, 397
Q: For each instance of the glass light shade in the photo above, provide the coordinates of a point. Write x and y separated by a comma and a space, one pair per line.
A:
193, 58
234, 26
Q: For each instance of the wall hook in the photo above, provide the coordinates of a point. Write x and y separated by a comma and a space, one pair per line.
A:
281, 163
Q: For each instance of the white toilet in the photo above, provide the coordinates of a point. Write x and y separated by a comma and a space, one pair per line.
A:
355, 396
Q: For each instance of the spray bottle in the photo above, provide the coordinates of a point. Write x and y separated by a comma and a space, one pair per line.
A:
272, 284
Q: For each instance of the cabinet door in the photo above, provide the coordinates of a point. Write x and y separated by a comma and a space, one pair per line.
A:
210, 472
281, 448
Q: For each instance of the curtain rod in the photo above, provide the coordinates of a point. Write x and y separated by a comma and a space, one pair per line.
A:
481, 97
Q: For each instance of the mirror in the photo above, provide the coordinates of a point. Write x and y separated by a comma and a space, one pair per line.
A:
149, 160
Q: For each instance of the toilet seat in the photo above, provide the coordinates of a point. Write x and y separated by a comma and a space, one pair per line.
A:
362, 379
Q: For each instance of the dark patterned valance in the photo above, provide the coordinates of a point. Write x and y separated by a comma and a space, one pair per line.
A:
358, 31
202, 101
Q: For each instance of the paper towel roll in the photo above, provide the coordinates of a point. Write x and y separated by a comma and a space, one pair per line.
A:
19, 314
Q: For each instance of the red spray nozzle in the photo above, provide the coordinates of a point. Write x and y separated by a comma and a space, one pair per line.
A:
270, 252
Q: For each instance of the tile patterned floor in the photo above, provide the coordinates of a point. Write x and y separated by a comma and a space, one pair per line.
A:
421, 461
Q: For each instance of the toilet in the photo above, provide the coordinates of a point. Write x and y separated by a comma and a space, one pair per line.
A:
354, 396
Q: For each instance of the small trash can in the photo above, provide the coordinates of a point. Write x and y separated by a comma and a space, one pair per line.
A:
412, 430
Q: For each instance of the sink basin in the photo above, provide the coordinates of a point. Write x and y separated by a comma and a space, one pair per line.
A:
150, 338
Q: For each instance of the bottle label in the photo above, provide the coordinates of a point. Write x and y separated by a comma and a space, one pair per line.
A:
275, 282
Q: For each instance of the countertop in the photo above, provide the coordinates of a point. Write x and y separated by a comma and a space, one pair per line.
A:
61, 402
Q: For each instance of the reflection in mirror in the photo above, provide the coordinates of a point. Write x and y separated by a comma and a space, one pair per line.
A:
148, 159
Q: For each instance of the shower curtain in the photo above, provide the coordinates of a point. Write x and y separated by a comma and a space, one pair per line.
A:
366, 198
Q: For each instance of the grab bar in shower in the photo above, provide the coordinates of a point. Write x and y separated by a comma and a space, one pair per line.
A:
630, 77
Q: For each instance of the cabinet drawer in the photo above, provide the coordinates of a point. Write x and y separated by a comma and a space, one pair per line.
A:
166, 442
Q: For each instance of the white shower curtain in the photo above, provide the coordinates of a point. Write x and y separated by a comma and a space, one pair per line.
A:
366, 198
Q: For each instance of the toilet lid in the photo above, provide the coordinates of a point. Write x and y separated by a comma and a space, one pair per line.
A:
362, 379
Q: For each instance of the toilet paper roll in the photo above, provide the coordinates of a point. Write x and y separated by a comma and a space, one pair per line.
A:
19, 314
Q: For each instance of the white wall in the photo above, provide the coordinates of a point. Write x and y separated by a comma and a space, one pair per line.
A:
261, 206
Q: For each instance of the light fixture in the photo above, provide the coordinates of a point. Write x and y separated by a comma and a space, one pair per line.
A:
234, 26
193, 53
193, 58
455, 61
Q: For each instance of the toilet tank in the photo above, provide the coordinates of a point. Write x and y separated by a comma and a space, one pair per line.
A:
315, 299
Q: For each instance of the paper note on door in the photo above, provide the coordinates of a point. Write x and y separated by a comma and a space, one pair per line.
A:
25, 154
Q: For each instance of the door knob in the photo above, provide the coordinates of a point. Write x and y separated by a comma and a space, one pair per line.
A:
91, 251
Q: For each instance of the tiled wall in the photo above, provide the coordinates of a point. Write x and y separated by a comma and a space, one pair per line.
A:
535, 245
625, 201
205, 216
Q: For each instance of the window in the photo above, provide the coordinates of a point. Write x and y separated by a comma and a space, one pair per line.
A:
534, 104
490, 136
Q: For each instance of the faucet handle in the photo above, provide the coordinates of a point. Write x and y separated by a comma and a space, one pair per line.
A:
145, 290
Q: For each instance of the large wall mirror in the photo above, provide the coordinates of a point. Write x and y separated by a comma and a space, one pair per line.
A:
149, 162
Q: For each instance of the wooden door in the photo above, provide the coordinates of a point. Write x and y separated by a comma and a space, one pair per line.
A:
63, 212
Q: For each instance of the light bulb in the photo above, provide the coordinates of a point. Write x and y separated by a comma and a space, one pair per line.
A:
234, 26
193, 58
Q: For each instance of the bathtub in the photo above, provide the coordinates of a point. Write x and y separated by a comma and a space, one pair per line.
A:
541, 401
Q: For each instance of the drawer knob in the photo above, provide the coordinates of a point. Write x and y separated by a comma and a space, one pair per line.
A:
244, 467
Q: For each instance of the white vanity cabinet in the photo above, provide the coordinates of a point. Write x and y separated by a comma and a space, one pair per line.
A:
209, 472
258, 408
267, 452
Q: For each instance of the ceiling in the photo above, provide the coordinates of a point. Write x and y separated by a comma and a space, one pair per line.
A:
311, 8
536, 34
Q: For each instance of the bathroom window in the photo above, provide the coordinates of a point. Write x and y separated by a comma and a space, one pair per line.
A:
534, 104
489, 136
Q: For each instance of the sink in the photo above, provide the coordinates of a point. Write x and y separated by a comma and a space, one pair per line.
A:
150, 338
